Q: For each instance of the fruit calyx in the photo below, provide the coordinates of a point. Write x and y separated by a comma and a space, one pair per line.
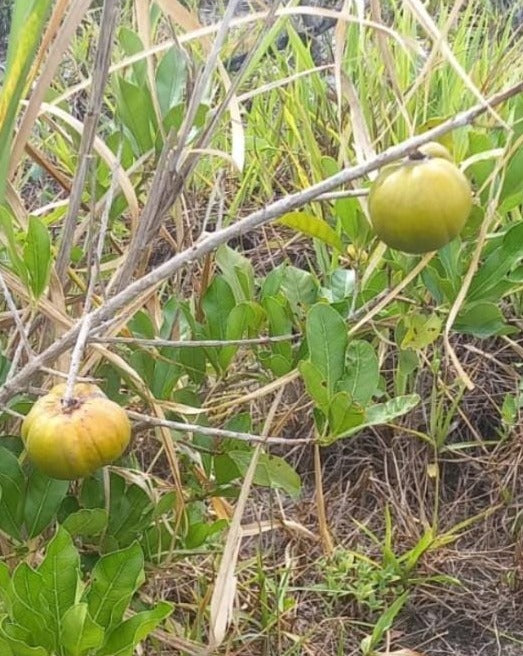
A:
69, 405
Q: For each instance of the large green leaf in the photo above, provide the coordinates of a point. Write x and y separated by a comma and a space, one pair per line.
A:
123, 639
86, 522
79, 633
26, 607
43, 497
171, 75
490, 282
327, 340
237, 271
37, 255
12, 484
362, 373
271, 471
135, 108
243, 321
481, 319
60, 572
115, 578
315, 384
344, 414
16, 638
383, 413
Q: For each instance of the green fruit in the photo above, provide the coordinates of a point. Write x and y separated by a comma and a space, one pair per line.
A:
421, 203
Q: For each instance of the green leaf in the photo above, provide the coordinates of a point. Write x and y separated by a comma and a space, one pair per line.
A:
271, 471
135, 108
218, 302
300, 288
244, 320
513, 180
238, 271
327, 340
362, 372
60, 574
127, 635
16, 638
312, 226
86, 522
7, 237
132, 44
342, 284
27, 610
79, 633
278, 364
280, 323
115, 579
420, 330
384, 413
383, 624
166, 373
37, 255
344, 414
490, 283
43, 497
12, 484
131, 511
353, 221
5, 649
481, 319
171, 76
315, 384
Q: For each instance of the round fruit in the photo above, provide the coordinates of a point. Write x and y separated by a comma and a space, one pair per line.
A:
421, 203
73, 440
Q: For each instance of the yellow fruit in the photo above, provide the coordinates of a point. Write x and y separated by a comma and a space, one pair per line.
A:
73, 442
421, 203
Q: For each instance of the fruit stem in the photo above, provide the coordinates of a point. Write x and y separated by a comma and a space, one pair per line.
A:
69, 404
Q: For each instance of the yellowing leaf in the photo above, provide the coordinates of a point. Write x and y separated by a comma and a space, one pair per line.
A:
313, 227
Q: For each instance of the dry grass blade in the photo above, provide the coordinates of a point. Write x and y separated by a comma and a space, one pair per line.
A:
225, 585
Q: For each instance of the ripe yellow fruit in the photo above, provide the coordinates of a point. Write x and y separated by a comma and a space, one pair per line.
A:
73, 442
421, 203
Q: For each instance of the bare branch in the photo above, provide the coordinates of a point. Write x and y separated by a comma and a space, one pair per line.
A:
137, 341
217, 432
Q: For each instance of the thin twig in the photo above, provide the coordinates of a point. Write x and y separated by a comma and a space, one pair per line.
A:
217, 432
250, 222
138, 341
349, 193
94, 272
16, 316
101, 68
